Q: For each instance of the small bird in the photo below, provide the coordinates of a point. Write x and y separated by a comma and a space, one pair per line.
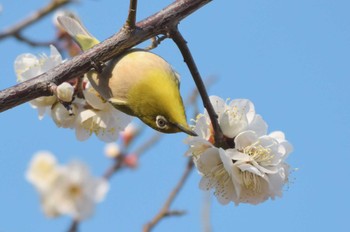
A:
138, 83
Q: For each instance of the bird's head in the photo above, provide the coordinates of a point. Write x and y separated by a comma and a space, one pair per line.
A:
158, 103
166, 124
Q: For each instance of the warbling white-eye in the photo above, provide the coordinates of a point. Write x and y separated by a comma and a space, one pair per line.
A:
138, 83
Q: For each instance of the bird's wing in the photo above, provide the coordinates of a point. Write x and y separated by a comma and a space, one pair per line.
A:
78, 32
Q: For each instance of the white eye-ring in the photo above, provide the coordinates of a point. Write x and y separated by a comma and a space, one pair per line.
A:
161, 122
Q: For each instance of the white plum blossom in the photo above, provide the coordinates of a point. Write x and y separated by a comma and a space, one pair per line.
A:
259, 164
101, 118
62, 117
65, 190
88, 114
250, 167
65, 92
28, 66
75, 192
211, 165
237, 116
42, 170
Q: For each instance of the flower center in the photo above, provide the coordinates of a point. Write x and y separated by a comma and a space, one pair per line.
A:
251, 181
91, 126
258, 153
74, 191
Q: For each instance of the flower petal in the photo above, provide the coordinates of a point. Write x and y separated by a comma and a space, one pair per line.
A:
245, 139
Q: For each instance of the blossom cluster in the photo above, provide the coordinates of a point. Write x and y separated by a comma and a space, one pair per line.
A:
250, 166
65, 190
87, 113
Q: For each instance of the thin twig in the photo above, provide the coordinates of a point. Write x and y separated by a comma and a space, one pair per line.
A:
192, 98
165, 210
131, 20
186, 53
118, 164
17, 28
33, 43
74, 226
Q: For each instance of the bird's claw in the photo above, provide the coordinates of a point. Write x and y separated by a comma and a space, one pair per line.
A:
98, 66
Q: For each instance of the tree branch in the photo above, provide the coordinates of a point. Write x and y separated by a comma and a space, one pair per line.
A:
165, 210
115, 45
186, 53
17, 28
74, 226
32, 43
131, 20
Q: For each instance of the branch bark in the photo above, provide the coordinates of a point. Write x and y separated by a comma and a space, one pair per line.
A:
115, 45
131, 20
186, 53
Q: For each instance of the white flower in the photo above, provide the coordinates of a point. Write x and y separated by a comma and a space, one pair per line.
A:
65, 92
74, 193
42, 171
237, 116
251, 173
204, 140
211, 165
250, 166
28, 66
102, 119
259, 165
65, 190
62, 117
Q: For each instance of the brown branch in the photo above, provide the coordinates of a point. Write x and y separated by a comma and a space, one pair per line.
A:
17, 28
119, 160
118, 165
131, 20
115, 45
192, 98
74, 226
165, 210
33, 43
186, 53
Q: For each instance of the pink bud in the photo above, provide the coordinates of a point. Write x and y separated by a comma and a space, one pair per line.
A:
129, 134
131, 160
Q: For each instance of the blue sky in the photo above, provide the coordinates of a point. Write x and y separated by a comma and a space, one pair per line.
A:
291, 58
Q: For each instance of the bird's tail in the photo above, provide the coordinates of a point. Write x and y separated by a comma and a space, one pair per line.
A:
78, 32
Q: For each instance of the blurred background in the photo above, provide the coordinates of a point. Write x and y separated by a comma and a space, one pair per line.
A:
290, 58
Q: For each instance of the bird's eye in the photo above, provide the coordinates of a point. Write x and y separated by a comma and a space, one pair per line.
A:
161, 122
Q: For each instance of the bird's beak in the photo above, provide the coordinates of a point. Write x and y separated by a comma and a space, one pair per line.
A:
186, 129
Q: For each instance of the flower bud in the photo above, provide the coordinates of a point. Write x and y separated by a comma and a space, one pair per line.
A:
112, 150
131, 160
65, 92
129, 134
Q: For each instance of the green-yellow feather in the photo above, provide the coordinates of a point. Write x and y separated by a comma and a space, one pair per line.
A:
154, 95
86, 42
